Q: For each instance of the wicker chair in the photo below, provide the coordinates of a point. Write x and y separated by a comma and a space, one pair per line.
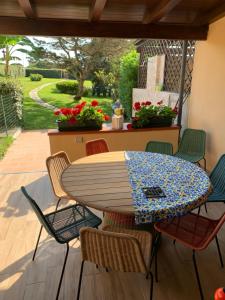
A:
63, 225
117, 249
159, 147
96, 146
56, 164
195, 232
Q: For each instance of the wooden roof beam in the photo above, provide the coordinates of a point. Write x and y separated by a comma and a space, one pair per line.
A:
27, 8
51, 27
96, 10
212, 16
153, 15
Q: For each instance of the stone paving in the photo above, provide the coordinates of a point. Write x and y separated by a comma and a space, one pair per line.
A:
27, 153
34, 95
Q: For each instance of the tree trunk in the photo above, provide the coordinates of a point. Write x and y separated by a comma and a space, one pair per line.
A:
7, 58
80, 92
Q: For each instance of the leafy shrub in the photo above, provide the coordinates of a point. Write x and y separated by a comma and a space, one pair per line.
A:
36, 77
67, 87
128, 80
87, 92
47, 73
11, 89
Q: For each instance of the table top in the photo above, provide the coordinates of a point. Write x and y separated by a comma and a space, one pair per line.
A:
113, 182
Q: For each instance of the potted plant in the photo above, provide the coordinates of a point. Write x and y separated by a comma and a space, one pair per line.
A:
149, 115
83, 116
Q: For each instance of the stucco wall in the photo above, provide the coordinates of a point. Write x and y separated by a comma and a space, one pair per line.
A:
207, 100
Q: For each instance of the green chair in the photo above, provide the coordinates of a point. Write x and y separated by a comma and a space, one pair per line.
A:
63, 225
217, 178
192, 146
159, 147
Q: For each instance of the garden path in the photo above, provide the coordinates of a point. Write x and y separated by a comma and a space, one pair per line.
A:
34, 95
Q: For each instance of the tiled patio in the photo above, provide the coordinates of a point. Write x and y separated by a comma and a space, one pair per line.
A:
23, 279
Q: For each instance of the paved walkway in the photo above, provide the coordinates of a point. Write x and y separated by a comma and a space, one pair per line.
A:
27, 153
34, 95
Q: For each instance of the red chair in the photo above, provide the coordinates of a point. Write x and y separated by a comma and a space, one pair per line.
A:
194, 232
96, 146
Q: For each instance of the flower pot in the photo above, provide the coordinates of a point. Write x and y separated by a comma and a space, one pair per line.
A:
159, 121
68, 126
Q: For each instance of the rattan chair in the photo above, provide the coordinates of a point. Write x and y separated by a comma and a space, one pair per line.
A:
117, 249
63, 225
195, 232
96, 146
56, 164
159, 147
192, 146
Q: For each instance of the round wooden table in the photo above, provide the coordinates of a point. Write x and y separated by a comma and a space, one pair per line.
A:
112, 182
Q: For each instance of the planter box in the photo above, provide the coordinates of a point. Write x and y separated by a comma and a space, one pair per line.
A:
67, 126
154, 122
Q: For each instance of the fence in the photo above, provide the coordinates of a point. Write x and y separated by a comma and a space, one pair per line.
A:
8, 116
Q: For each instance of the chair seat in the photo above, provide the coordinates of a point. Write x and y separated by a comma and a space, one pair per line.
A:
192, 230
189, 157
144, 238
67, 222
216, 196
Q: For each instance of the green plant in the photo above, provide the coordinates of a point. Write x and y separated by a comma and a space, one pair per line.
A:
46, 73
128, 80
87, 92
5, 142
67, 87
36, 77
83, 114
146, 113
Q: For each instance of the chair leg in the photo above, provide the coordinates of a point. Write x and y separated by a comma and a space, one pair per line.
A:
151, 286
63, 269
219, 252
57, 204
174, 242
204, 163
80, 279
206, 208
37, 243
197, 276
156, 266
199, 209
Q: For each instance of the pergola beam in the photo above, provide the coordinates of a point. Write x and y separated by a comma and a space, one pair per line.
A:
27, 8
153, 15
212, 16
51, 27
96, 10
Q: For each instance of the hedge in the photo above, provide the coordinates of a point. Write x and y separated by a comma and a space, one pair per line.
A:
47, 73
67, 87
36, 77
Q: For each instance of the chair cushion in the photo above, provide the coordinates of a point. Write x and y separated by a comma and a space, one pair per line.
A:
192, 230
67, 222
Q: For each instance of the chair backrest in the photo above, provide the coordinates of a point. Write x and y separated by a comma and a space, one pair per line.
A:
217, 175
56, 164
159, 147
193, 141
96, 146
37, 211
117, 251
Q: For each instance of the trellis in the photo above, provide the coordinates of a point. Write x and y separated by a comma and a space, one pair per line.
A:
173, 50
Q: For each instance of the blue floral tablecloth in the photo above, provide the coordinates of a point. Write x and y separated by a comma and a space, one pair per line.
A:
185, 185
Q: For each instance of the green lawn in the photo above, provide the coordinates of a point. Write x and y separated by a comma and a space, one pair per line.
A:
5, 142
37, 117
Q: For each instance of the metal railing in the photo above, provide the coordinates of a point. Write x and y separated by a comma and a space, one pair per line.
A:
8, 115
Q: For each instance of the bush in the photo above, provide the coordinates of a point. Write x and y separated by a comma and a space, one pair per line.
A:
47, 73
36, 77
67, 87
128, 80
87, 92
12, 89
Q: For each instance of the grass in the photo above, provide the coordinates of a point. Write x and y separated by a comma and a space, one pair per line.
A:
37, 117
5, 142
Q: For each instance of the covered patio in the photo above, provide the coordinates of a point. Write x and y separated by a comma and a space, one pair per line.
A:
22, 278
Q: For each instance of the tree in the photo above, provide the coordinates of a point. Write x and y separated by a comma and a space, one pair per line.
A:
8, 47
128, 79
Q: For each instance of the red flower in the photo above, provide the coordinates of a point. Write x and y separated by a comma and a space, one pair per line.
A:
75, 111
148, 103
175, 110
137, 106
107, 118
56, 112
65, 111
143, 104
100, 111
94, 103
72, 121
160, 102
129, 126
83, 103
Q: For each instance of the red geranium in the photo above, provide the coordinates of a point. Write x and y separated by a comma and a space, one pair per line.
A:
65, 111
107, 118
75, 111
143, 104
83, 103
100, 111
160, 102
57, 112
94, 103
137, 106
129, 126
148, 103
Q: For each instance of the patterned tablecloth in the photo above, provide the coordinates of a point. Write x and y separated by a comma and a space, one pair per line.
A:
185, 185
